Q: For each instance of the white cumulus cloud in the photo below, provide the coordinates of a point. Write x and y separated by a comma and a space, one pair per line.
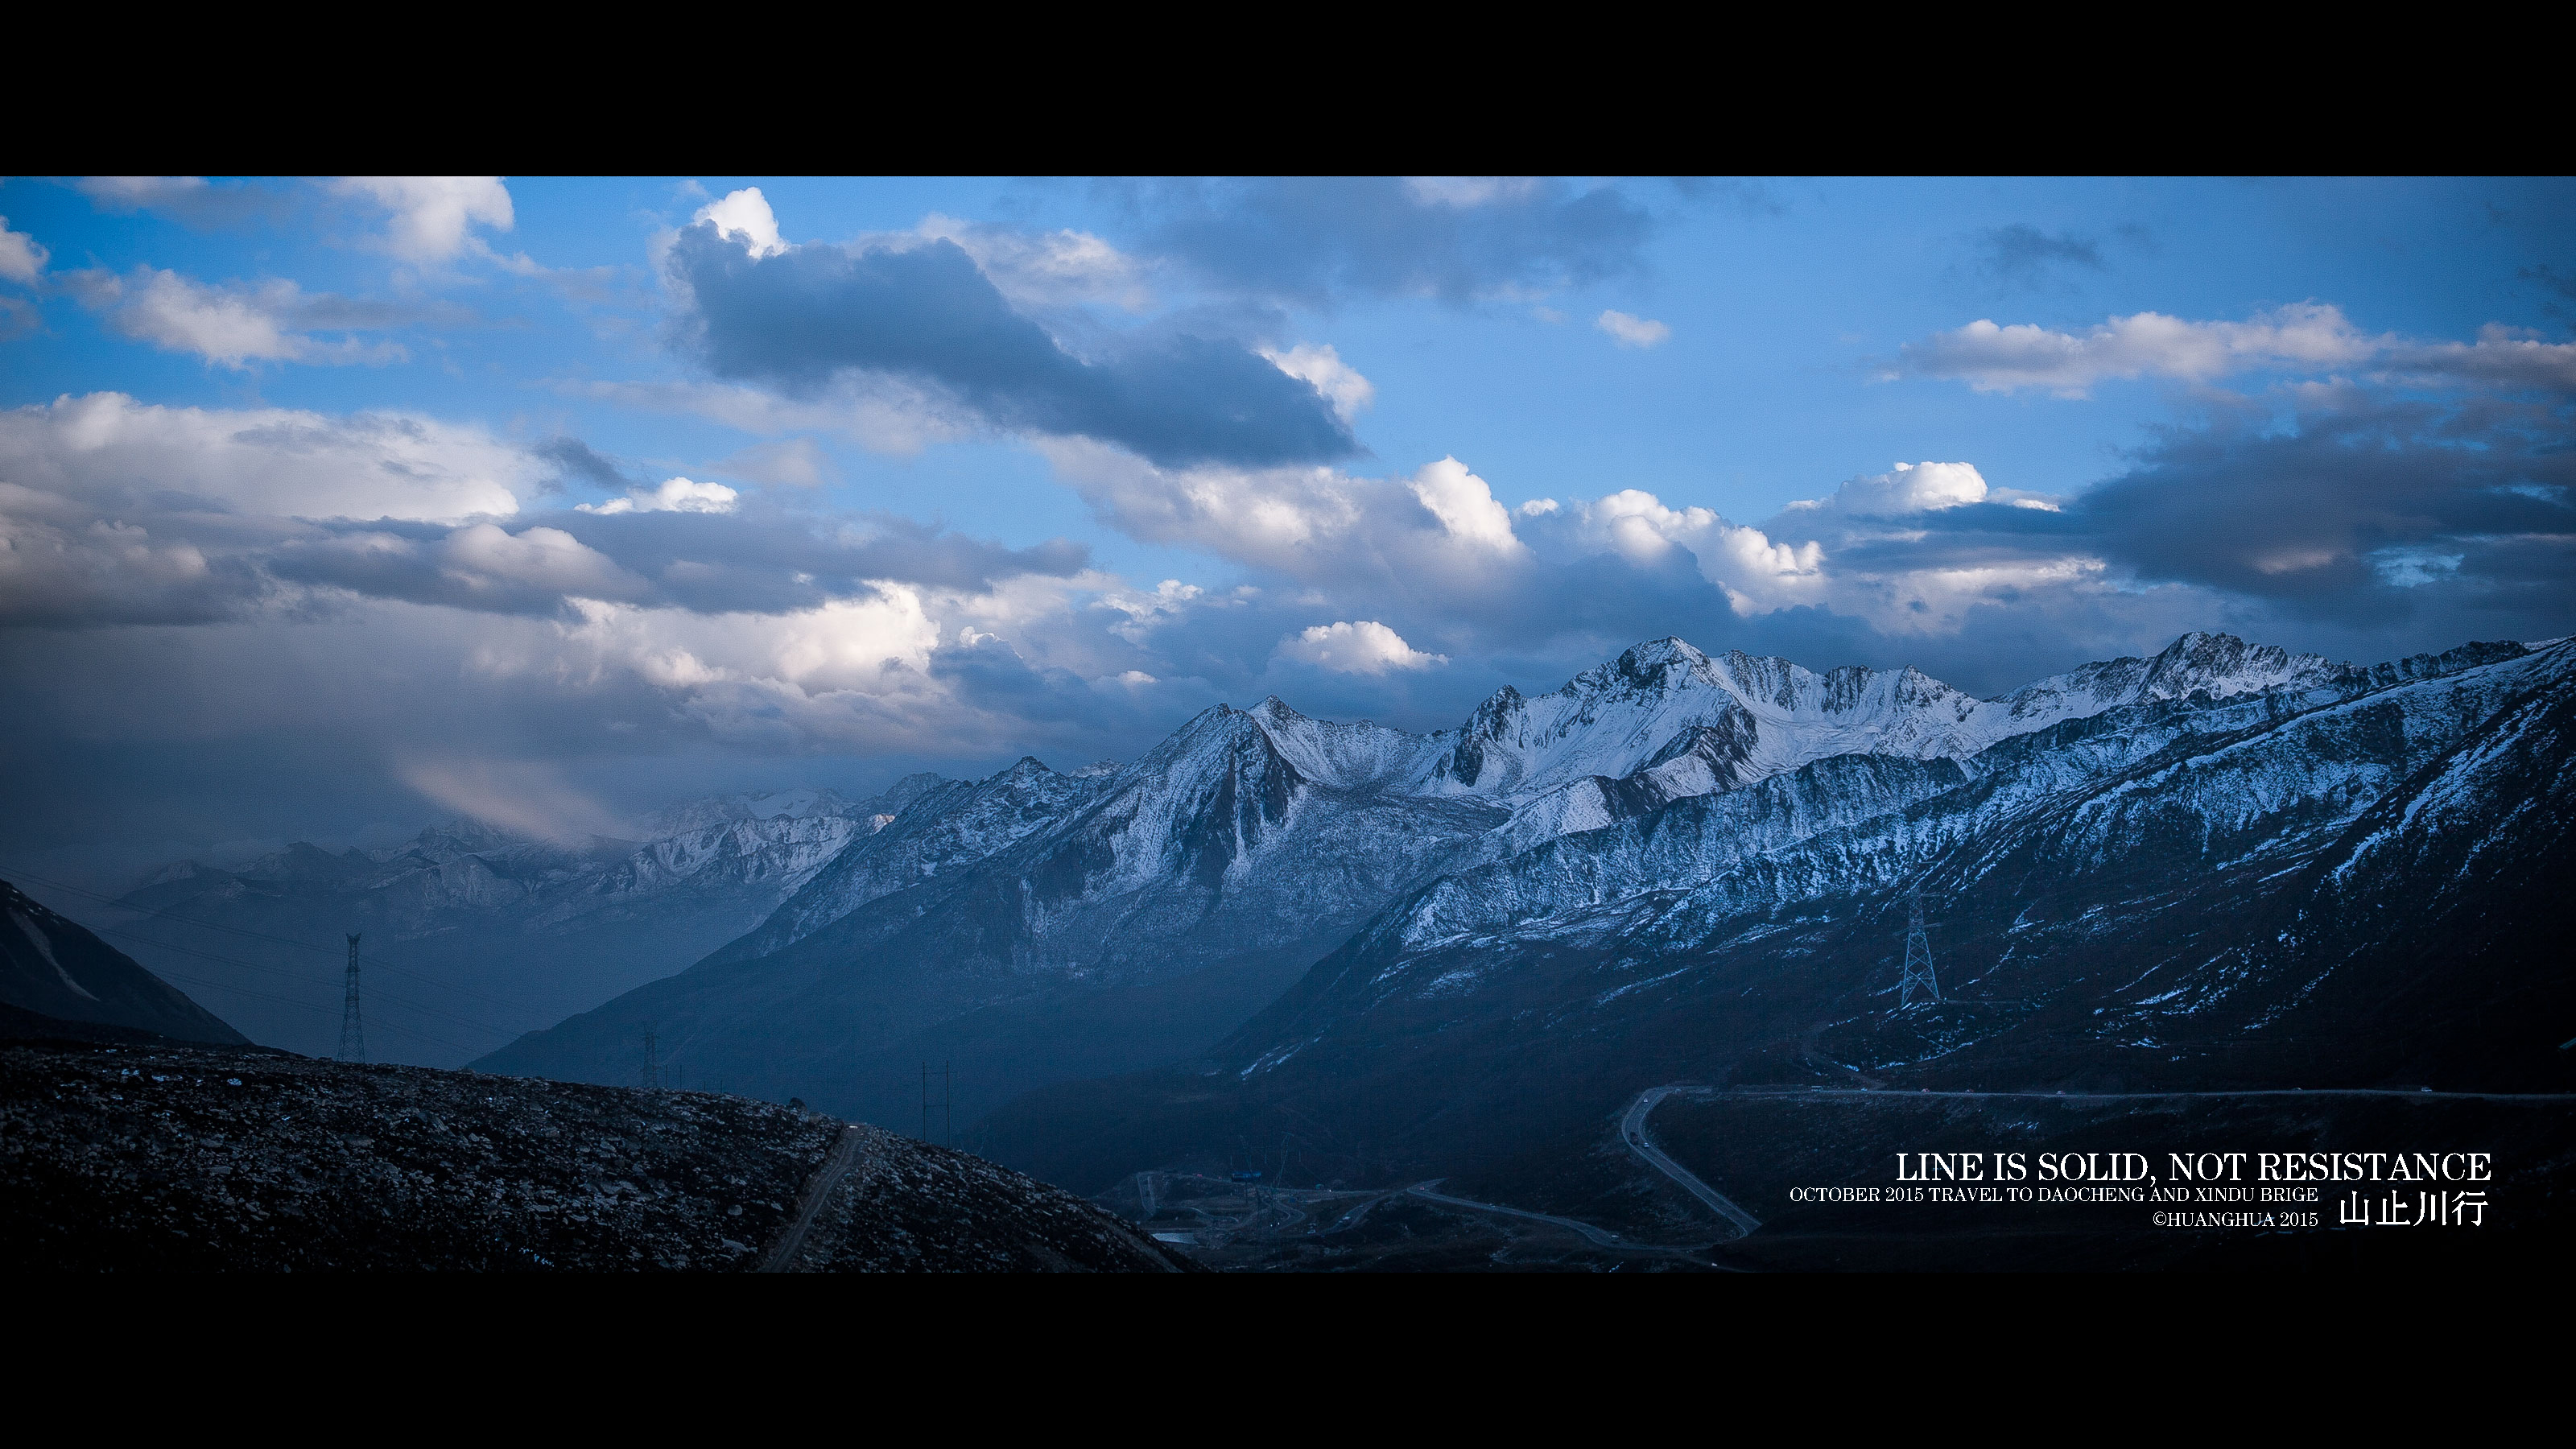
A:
22, 257
1318, 365
430, 218
1756, 574
1465, 505
275, 461
486, 556
675, 495
233, 325
1629, 330
744, 216
1364, 647
1907, 488
1439, 528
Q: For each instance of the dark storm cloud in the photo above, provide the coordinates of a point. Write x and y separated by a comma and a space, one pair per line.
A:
2364, 510
990, 675
715, 563
2023, 256
481, 567
926, 315
705, 563
1313, 240
2339, 505
576, 460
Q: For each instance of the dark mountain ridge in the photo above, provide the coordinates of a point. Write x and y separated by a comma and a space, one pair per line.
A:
54, 967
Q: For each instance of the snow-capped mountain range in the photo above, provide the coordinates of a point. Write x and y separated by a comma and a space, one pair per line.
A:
2339, 877
1050, 926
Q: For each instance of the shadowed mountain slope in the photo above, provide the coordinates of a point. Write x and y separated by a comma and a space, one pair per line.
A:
55, 967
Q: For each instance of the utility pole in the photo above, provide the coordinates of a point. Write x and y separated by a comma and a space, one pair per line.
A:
947, 1108
925, 1101
652, 1061
1918, 978
353, 1035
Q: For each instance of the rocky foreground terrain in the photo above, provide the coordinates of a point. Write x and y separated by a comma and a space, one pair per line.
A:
166, 1157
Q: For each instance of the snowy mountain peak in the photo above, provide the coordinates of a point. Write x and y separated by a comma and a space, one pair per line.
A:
2224, 664
2221, 664
1352, 755
1665, 663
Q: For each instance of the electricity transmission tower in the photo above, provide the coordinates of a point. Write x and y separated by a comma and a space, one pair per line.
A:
353, 1036
1918, 978
652, 1062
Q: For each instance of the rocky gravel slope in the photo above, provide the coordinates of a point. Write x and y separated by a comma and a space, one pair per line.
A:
182, 1159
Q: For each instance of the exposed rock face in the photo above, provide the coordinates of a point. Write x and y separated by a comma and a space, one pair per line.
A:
178, 1159
946, 824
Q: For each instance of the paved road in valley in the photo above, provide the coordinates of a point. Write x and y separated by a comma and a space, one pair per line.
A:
1602, 1236
1632, 1130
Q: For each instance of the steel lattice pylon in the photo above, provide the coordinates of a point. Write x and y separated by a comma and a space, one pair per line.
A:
353, 1036
1918, 979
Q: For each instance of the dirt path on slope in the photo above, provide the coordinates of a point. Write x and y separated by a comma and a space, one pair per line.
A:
846, 1154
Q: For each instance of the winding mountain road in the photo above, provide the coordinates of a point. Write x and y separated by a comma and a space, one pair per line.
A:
1601, 1236
1632, 1130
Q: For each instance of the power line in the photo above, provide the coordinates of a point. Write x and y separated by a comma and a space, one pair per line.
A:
353, 1035
1918, 977
118, 902
293, 975
394, 1026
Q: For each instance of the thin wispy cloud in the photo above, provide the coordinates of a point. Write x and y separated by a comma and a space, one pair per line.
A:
2308, 338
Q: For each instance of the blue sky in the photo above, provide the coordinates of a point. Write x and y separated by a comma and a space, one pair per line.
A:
334, 505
